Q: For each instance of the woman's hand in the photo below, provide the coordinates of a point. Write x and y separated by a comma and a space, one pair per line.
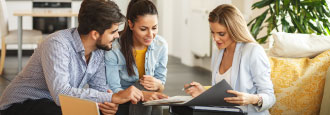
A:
241, 98
149, 96
195, 89
151, 83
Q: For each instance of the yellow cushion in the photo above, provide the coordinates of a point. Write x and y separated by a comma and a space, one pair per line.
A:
298, 84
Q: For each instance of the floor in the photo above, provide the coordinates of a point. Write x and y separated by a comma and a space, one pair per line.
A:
178, 75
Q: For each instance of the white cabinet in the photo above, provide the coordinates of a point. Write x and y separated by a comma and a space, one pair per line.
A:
75, 8
13, 6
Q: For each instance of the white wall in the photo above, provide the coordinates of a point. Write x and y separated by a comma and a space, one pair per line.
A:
176, 29
165, 9
175, 26
122, 4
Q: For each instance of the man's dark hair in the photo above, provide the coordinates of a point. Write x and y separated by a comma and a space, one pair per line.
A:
98, 15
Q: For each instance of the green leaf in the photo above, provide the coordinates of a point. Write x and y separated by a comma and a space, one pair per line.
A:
274, 20
314, 27
286, 4
252, 21
307, 13
261, 4
292, 29
320, 27
277, 7
262, 40
326, 27
311, 3
256, 26
296, 23
301, 17
285, 25
327, 13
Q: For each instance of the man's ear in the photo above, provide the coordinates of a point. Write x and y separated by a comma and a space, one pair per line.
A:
94, 34
130, 24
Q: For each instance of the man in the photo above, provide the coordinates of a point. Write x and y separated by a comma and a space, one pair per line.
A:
65, 62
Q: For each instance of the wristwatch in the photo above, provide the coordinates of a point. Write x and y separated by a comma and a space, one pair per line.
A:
260, 101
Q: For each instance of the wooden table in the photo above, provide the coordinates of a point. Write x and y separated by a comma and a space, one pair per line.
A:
20, 14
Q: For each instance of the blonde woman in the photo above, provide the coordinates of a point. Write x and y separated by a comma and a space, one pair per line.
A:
240, 61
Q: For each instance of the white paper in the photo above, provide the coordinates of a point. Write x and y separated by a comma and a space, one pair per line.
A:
170, 100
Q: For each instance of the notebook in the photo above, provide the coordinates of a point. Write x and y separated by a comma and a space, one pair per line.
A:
76, 106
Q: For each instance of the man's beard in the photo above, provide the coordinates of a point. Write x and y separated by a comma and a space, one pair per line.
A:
105, 47
101, 46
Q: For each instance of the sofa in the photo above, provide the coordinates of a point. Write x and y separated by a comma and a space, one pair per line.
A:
300, 74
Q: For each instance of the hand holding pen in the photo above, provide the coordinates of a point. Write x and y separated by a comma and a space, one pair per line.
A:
194, 89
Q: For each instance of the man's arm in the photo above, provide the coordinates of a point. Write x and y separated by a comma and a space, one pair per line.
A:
55, 60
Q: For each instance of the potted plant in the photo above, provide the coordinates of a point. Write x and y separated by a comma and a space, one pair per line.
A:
292, 16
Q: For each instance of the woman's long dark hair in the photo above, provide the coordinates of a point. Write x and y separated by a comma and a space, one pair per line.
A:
135, 8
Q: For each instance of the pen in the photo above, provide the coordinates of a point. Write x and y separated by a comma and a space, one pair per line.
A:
187, 87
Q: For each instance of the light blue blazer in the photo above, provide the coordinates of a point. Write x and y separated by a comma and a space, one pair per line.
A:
250, 74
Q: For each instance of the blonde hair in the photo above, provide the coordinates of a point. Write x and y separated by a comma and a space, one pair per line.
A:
232, 19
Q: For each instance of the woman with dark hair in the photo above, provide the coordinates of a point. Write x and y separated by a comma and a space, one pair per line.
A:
240, 61
139, 58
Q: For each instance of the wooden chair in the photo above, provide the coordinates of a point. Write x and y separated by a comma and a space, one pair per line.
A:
10, 37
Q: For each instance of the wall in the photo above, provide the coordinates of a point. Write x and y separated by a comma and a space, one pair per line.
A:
174, 23
175, 27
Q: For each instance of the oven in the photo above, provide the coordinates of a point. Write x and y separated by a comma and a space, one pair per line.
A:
51, 24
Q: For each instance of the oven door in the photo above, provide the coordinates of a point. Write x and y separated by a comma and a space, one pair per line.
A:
50, 24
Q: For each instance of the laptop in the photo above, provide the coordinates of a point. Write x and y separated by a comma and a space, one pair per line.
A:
76, 106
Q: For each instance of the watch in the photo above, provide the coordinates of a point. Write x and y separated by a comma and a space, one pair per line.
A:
260, 101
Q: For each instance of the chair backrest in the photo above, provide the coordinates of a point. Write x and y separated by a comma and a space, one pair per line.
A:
3, 18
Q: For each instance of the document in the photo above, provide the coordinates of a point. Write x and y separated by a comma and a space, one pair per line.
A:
170, 100
217, 108
211, 97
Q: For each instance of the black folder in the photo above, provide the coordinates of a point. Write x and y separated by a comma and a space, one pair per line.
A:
211, 97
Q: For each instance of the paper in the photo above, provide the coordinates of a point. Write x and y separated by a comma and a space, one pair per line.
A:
170, 100
211, 97
216, 108
76, 106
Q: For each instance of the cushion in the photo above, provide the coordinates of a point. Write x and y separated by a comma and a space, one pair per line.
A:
298, 84
326, 96
292, 45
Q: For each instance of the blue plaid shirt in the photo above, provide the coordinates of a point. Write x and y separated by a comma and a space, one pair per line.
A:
58, 66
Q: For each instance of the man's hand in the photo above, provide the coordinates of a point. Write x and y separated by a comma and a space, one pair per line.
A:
149, 96
108, 108
130, 94
151, 83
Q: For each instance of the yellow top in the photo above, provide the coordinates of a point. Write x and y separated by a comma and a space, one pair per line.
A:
140, 60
